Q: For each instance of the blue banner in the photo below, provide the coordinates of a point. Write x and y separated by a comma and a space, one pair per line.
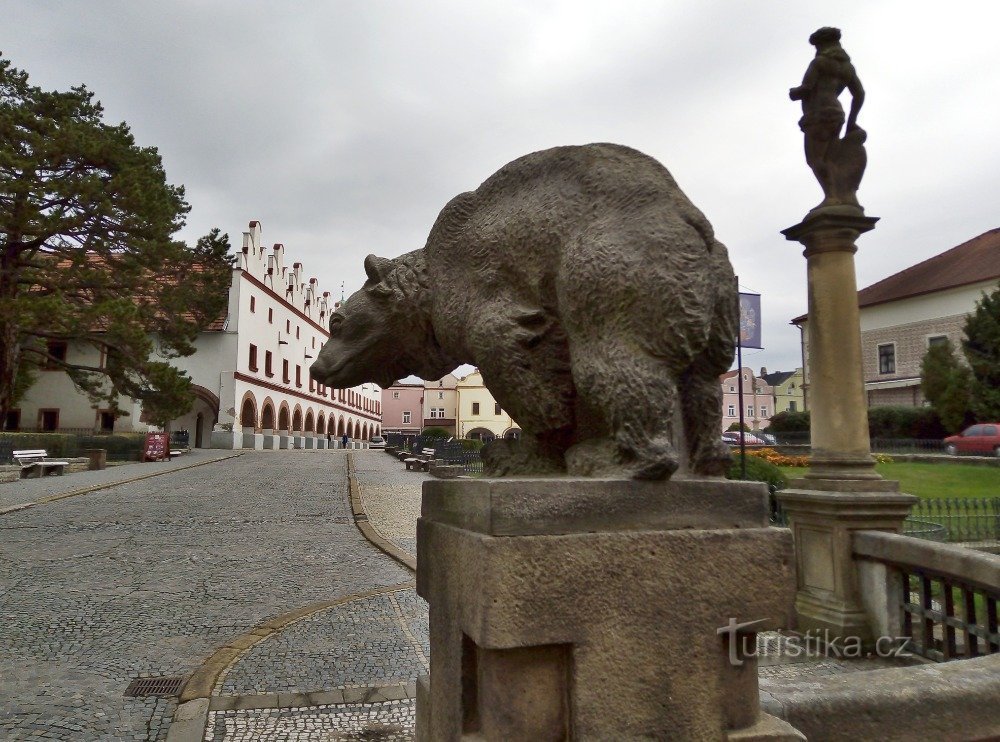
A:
750, 320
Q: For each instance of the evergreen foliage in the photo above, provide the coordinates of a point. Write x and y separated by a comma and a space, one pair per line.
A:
981, 346
87, 255
435, 432
945, 382
759, 470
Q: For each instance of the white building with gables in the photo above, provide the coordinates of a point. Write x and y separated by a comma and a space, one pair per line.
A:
250, 371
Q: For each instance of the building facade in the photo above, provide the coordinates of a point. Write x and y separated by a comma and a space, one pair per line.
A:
250, 371
905, 314
441, 404
402, 408
758, 399
787, 390
479, 416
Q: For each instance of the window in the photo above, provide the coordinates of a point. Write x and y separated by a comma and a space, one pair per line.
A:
763, 411
936, 340
298, 376
475, 408
406, 417
496, 408
314, 342
253, 357
437, 412
440, 395
297, 328
395, 395
288, 326
791, 406
57, 352
13, 420
732, 411
887, 358
749, 410
312, 384
270, 316
103, 362
253, 304
268, 363
106, 419
48, 420
284, 372
732, 388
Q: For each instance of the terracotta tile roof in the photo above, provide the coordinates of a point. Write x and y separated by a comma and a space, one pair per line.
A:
777, 377
971, 262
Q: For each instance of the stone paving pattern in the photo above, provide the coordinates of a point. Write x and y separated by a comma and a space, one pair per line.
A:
32, 490
386, 722
391, 496
149, 578
370, 641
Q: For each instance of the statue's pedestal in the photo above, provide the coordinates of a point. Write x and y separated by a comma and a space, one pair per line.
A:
598, 609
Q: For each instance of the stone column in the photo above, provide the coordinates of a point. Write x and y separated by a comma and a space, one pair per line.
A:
841, 492
598, 609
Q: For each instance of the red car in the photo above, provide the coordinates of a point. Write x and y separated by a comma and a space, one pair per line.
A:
982, 439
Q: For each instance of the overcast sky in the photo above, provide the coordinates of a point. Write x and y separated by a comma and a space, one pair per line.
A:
344, 127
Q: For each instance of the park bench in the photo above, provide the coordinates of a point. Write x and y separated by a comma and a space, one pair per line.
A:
420, 461
33, 463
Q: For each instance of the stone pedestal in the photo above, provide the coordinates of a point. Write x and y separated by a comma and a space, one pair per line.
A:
271, 441
309, 441
297, 441
597, 609
227, 439
828, 601
321, 443
284, 440
254, 441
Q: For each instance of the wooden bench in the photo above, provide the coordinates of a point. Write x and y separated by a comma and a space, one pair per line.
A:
34, 464
420, 461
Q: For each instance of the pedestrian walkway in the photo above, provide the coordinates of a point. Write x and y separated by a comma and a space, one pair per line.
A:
30, 491
150, 578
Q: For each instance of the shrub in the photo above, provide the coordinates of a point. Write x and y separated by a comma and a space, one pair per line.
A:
904, 422
435, 432
759, 470
789, 422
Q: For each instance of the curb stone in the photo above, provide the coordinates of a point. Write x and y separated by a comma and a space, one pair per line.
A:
367, 529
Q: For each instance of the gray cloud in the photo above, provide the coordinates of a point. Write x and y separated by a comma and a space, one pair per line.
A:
344, 127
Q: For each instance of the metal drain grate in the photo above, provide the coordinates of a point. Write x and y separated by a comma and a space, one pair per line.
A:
163, 686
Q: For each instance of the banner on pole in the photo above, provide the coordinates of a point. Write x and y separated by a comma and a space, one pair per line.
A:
750, 320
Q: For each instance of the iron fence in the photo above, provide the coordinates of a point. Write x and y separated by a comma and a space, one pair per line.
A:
964, 519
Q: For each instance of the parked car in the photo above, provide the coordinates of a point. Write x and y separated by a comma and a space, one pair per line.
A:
376, 441
732, 437
982, 439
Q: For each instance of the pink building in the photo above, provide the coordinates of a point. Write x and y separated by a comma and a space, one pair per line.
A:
403, 409
758, 398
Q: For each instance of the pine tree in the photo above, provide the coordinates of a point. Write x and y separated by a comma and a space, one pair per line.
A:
981, 346
944, 381
87, 253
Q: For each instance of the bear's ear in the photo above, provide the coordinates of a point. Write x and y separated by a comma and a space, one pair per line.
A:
377, 268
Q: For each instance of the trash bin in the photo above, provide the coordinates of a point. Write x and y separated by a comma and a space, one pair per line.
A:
98, 458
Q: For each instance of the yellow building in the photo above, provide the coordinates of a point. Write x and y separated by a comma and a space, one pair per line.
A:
788, 391
479, 416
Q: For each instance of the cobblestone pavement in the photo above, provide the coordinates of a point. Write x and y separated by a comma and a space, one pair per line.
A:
33, 490
150, 578
391, 496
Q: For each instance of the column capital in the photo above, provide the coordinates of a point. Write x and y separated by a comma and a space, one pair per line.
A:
827, 232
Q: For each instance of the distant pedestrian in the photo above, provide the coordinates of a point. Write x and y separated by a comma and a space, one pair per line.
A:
344, 440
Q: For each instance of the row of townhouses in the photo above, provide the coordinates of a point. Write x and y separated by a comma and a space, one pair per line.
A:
464, 407
250, 371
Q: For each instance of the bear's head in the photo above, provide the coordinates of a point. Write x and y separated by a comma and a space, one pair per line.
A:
383, 332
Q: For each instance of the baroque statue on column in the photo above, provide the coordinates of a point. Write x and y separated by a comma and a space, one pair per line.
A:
838, 162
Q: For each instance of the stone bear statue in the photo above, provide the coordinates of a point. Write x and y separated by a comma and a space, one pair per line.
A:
591, 294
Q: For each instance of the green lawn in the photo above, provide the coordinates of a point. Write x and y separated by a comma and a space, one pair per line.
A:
935, 480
